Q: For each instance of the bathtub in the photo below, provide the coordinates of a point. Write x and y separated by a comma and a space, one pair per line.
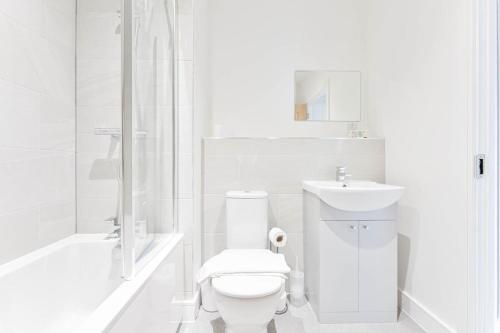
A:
75, 285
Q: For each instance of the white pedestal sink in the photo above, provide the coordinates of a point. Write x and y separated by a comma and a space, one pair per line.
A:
355, 196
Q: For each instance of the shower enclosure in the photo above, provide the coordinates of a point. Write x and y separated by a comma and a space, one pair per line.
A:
126, 75
64, 269
148, 116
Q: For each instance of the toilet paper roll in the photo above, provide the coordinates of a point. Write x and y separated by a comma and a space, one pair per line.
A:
277, 237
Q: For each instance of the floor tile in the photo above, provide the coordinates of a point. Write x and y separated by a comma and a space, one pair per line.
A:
303, 320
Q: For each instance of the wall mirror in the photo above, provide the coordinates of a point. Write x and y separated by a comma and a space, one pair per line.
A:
328, 96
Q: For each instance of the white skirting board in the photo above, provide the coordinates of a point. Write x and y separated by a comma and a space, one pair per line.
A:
422, 315
191, 307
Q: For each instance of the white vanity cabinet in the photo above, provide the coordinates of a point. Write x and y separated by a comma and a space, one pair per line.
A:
350, 263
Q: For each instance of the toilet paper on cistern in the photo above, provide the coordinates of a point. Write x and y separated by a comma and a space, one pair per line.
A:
277, 237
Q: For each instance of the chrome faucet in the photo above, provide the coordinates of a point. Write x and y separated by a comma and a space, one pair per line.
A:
116, 233
113, 219
342, 175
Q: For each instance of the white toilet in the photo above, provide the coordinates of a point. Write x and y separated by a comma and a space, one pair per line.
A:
245, 282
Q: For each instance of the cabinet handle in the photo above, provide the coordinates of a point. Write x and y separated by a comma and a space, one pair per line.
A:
353, 227
366, 227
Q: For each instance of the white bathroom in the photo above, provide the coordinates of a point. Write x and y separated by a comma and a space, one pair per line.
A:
231, 166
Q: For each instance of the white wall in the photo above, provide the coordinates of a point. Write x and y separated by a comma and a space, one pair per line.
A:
418, 96
37, 124
255, 48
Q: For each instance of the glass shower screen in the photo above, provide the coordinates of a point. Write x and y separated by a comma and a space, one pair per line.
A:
148, 131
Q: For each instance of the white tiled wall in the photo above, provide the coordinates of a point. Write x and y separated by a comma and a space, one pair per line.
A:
98, 105
37, 109
278, 166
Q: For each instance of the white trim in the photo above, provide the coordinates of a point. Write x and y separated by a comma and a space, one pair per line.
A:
190, 307
423, 316
482, 193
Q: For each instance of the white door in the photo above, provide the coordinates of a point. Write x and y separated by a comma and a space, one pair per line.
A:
377, 266
339, 266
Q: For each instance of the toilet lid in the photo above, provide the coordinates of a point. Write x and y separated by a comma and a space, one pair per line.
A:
251, 286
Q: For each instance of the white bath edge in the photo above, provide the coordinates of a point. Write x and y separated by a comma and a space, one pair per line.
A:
109, 311
421, 315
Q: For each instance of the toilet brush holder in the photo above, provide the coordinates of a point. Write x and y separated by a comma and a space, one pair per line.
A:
297, 295
208, 297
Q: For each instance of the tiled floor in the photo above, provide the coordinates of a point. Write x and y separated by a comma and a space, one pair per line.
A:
303, 320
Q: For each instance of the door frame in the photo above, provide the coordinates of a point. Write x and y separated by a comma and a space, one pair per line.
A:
483, 192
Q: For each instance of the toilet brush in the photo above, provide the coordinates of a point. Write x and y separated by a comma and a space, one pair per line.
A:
297, 297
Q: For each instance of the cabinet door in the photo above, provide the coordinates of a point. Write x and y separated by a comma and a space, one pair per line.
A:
338, 266
377, 266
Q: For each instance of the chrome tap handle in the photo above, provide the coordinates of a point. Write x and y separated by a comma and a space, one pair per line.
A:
116, 233
113, 219
341, 173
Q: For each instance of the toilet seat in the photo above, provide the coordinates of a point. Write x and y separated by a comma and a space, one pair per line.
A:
243, 261
263, 266
247, 286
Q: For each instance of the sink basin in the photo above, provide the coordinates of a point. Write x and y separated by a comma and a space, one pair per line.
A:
357, 196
